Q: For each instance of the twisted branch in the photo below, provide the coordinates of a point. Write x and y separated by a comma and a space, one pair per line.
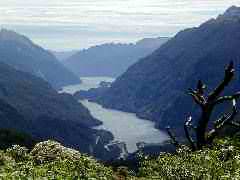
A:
227, 98
207, 104
188, 136
224, 120
229, 73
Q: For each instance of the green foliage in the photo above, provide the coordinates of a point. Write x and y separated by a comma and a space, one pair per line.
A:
220, 162
50, 160
18, 153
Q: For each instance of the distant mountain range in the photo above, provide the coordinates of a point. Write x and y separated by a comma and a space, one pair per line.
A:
63, 55
31, 105
21, 53
155, 87
111, 59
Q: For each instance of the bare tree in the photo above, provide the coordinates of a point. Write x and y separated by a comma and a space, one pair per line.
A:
207, 103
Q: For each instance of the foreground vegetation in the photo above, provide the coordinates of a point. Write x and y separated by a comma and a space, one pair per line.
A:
51, 160
220, 162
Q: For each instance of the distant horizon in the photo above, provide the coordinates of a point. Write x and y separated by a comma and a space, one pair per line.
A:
74, 25
122, 41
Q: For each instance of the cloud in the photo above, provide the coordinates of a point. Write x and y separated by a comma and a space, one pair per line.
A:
135, 18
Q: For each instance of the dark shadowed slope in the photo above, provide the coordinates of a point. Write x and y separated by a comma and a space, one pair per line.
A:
19, 52
31, 105
11, 118
155, 86
34, 97
111, 59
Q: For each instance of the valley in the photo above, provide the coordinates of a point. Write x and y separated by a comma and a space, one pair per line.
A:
125, 127
120, 91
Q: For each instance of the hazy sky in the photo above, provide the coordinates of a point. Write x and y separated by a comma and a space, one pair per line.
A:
74, 24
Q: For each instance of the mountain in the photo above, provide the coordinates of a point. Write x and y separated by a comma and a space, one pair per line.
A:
155, 87
63, 55
21, 53
30, 105
111, 59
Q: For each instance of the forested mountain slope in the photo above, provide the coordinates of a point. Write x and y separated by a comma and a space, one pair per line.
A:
111, 59
21, 53
31, 105
155, 86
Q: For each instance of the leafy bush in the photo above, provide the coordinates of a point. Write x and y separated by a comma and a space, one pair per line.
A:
50, 160
220, 162
18, 153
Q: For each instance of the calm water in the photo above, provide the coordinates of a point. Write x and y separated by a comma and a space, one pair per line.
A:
87, 83
124, 126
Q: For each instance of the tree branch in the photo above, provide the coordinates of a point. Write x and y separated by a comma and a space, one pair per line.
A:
227, 98
231, 116
220, 120
173, 137
235, 124
229, 73
225, 119
199, 99
188, 136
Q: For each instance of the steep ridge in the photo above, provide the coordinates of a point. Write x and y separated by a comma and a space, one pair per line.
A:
21, 53
111, 59
155, 86
31, 105
10, 117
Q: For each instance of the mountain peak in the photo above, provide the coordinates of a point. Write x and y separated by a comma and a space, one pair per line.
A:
152, 43
231, 13
8, 35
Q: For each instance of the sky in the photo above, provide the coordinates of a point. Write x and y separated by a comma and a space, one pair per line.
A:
76, 24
